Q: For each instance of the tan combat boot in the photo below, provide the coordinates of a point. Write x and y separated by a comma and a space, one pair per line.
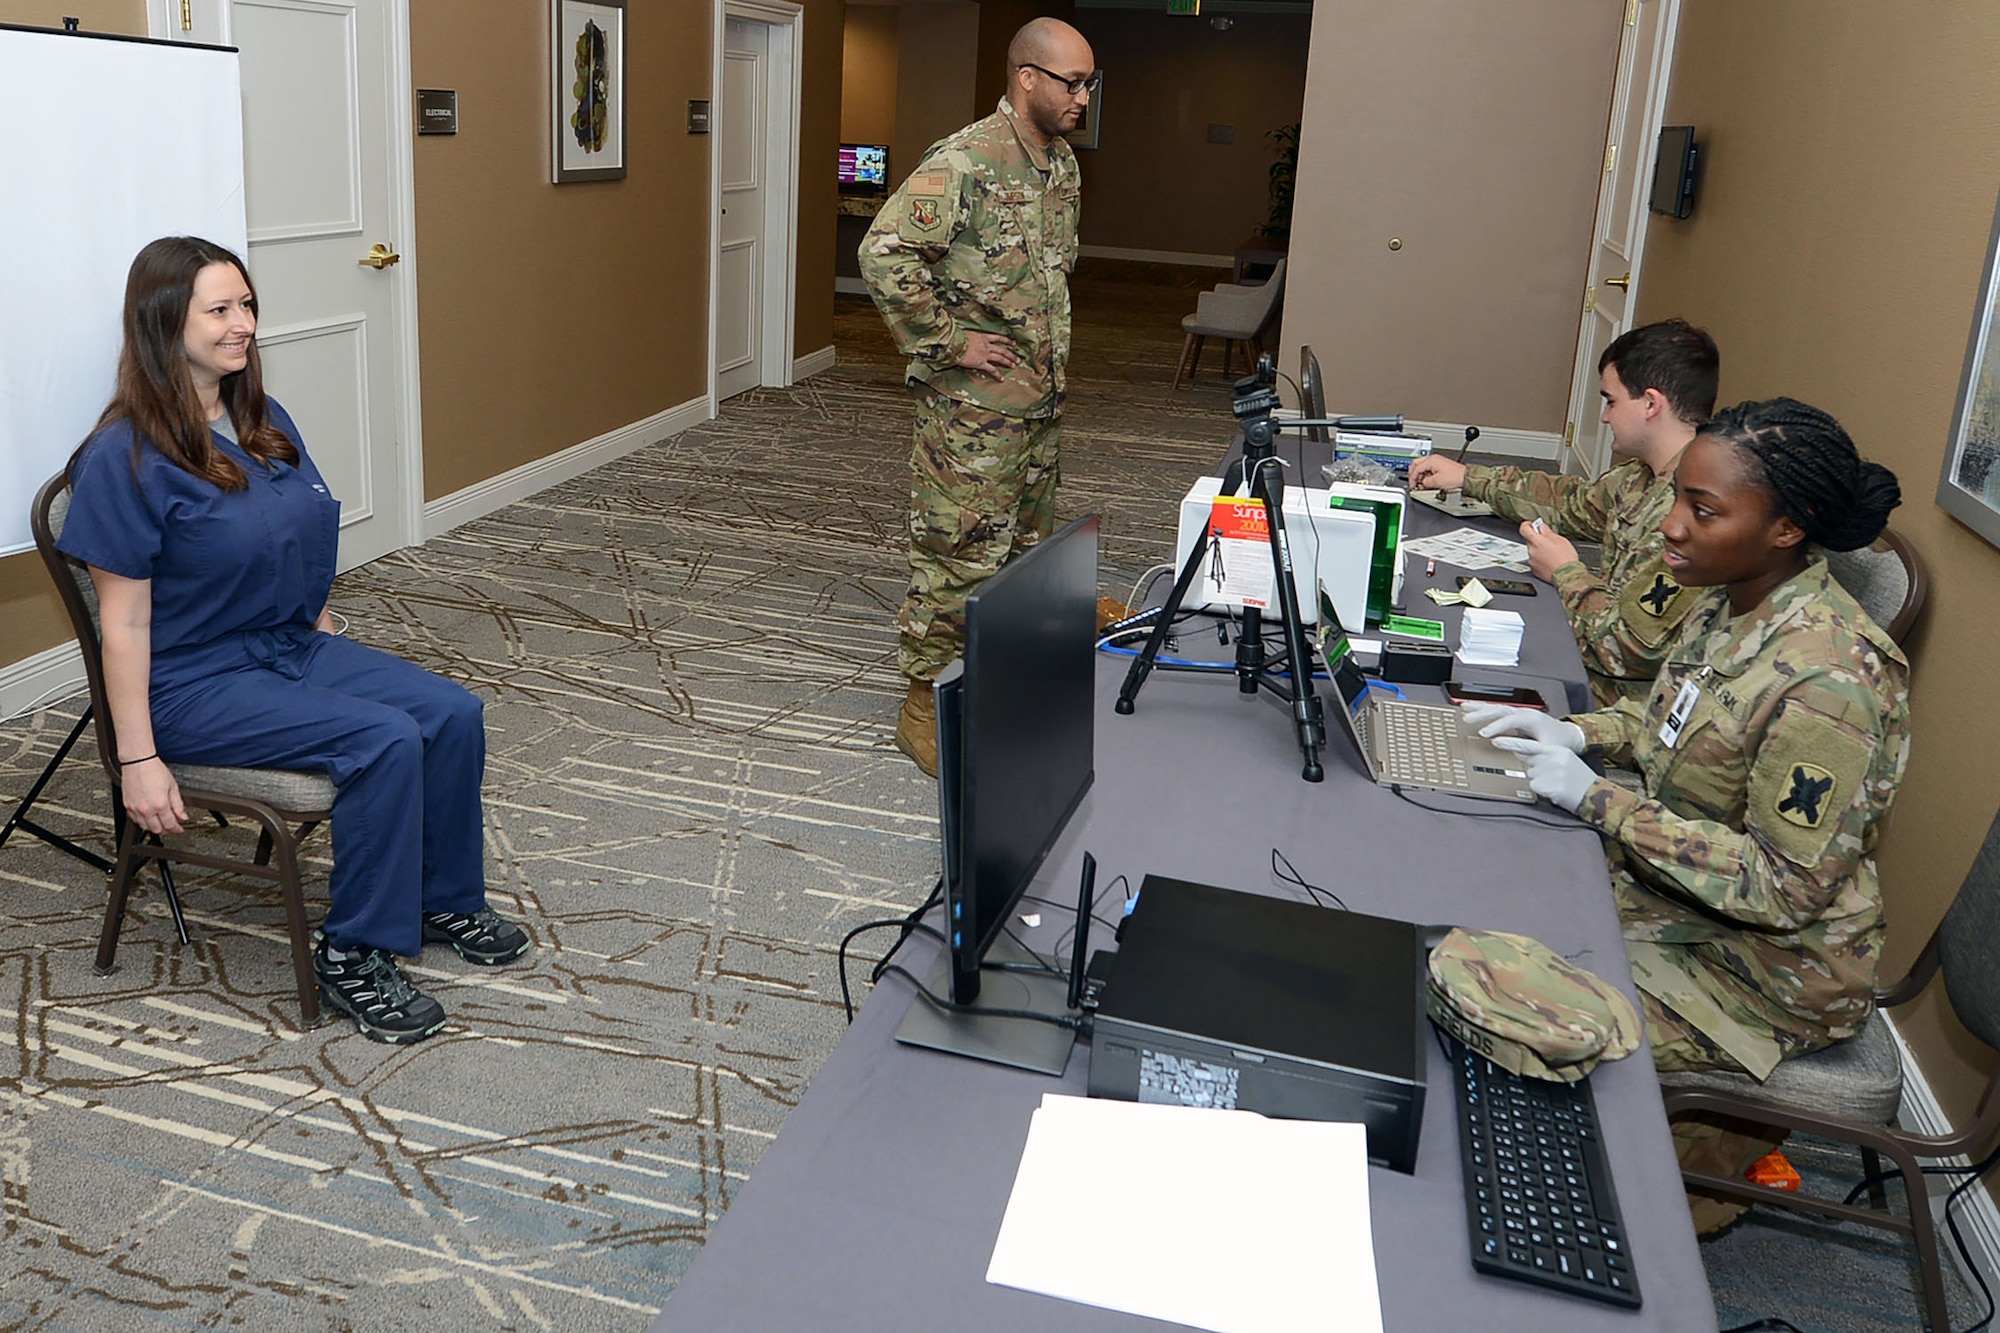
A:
916, 727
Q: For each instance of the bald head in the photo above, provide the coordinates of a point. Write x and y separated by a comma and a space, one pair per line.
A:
1042, 42
1044, 58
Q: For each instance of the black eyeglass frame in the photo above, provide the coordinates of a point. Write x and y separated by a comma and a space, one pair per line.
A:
1091, 81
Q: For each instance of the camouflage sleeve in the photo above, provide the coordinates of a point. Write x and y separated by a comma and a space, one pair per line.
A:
911, 235
1812, 801
1609, 732
1604, 635
1575, 506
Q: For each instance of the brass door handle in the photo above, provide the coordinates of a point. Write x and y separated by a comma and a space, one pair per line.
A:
380, 256
1622, 284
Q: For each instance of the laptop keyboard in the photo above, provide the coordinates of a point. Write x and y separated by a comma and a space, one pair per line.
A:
1420, 744
1538, 1195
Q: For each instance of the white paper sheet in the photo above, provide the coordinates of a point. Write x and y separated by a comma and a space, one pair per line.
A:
1220, 1220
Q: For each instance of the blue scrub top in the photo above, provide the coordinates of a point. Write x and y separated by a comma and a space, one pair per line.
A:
224, 565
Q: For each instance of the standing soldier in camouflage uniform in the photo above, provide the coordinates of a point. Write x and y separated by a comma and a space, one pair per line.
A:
1658, 383
1768, 751
969, 263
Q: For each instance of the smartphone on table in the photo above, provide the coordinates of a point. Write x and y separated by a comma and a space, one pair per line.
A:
1502, 587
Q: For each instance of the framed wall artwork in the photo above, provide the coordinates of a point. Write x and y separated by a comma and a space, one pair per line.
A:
587, 89
1085, 133
1969, 489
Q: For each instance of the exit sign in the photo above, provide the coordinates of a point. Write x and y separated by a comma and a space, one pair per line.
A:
1189, 7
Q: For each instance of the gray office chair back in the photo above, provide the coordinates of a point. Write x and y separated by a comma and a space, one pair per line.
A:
1969, 944
79, 573
1888, 579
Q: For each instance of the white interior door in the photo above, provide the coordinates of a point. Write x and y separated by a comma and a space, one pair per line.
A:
740, 259
1645, 58
317, 163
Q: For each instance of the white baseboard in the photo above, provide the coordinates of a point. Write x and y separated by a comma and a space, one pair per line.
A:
850, 286
1157, 256
483, 498
52, 674
1976, 1214
812, 363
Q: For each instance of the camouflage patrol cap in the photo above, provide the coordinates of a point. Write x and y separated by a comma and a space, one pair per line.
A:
1526, 1008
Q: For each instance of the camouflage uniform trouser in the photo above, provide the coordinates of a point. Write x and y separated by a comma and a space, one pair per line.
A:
982, 490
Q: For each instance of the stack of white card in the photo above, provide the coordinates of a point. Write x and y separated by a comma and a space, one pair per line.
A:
1490, 638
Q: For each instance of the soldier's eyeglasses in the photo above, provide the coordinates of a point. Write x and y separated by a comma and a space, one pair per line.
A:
1089, 82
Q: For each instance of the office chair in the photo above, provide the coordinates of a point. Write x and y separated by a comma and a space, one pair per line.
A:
277, 800
1850, 1091
1234, 313
1888, 579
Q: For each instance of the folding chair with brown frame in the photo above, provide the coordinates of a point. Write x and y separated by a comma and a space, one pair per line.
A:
284, 805
1850, 1092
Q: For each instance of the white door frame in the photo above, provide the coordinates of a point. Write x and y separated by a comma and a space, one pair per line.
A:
1584, 376
210, 22
780, 225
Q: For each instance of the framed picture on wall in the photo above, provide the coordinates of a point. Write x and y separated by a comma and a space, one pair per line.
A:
1969, 489
587, 89
1085, 133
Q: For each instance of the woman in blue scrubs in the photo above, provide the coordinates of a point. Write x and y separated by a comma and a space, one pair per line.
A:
210, 537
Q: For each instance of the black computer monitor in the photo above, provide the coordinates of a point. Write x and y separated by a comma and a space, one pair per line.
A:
1015, 758
1312, 394
1019, 755
1674, 171
864, 167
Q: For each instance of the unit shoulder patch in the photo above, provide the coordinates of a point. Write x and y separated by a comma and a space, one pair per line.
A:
1805, 776
1653, 603
926, 205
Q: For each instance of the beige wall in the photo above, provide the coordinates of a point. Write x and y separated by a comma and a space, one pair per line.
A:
125, 17
1154, 182
1835, 252
999, 20
523, 355
937, 60
868, 77
29, 610
1475, 133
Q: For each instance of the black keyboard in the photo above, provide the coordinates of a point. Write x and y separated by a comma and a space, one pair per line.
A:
1538, 1196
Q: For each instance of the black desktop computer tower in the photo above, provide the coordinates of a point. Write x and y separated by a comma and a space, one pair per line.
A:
1243, 1002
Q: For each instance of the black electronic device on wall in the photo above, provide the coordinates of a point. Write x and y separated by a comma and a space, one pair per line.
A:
1676, 164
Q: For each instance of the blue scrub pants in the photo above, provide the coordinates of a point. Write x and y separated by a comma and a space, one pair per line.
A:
406, 751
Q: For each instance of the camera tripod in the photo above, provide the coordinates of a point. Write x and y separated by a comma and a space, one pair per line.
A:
1255, 398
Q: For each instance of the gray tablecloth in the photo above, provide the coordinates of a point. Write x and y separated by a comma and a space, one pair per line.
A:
878, 1204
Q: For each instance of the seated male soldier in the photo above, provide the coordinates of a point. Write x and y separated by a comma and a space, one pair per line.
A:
1658, 382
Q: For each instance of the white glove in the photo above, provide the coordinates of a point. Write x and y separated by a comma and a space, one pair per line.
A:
1491, 720
1558, 776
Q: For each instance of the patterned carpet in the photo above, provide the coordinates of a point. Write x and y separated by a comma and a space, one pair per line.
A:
687, 663
686, 659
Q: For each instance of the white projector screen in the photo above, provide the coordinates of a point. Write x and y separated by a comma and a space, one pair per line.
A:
109, 144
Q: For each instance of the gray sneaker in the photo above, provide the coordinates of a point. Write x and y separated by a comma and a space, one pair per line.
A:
370, 988
483, 937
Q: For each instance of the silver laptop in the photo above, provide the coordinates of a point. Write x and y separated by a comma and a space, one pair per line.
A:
1424, 747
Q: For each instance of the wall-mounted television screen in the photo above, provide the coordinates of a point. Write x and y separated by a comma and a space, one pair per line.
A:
1674, 171
864, 167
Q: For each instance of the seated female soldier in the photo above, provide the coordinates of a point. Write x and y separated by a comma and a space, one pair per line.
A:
1768, 751
210, 537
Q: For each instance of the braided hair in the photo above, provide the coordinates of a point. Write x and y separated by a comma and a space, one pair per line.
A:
1820, 481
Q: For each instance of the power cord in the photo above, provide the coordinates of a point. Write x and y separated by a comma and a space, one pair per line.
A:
846, 996
1972, 1173
1074, 1023
1564, 825
1283, 870
910, 923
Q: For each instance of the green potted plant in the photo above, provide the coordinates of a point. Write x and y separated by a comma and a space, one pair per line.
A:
1284, 176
